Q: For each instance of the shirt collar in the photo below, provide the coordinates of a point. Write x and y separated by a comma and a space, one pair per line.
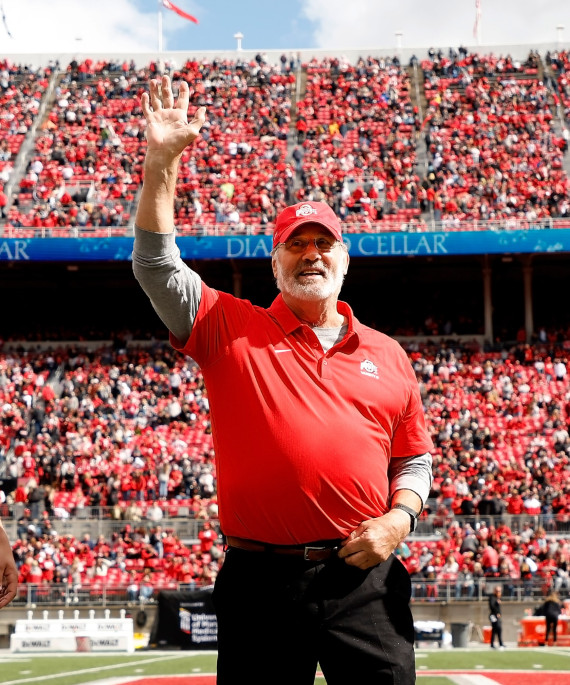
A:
289, 322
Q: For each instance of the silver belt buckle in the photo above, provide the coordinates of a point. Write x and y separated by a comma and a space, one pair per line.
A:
309, 549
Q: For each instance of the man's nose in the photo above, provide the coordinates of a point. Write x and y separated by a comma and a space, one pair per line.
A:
311, 250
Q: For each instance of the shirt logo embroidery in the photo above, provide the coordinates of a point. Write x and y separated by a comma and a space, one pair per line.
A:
305, 210
368, 368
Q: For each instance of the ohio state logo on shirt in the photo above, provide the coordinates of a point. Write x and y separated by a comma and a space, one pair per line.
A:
305, 210
368, 368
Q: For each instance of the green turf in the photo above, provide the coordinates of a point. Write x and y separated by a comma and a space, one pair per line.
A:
84, 668
79, 669
454, 659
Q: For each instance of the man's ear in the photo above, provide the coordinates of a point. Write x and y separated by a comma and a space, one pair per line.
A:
274, 266
347, 263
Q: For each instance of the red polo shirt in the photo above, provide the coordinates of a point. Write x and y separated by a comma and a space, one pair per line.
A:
302, 438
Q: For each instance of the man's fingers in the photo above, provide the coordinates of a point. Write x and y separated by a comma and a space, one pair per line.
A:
183, 96
155, 101
358, 559
145, 105
349, 547
198, 120
5, 599
9, 587
167, 94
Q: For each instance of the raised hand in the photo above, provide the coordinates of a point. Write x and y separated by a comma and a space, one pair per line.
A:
168, 129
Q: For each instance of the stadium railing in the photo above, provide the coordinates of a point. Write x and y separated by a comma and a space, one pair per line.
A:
101, 593
97, 521
185, 528
359, 226
514, 590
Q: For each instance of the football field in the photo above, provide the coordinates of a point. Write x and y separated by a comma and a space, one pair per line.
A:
474, 666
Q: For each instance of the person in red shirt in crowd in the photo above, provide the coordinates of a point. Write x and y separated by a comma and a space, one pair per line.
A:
183, 570
139, 485
207, 537
302, 516
169, 543
489, 559
448, 492
515, 503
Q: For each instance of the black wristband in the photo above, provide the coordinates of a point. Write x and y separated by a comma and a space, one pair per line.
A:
413, 515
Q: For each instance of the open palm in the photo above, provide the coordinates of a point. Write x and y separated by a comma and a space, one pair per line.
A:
168, 130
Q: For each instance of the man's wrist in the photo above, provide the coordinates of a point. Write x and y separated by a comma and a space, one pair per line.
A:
161, 166
400, 522
411, 513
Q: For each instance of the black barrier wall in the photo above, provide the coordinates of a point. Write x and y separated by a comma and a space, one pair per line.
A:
186, 620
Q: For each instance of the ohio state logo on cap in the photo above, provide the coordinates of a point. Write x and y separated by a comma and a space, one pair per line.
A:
305, 210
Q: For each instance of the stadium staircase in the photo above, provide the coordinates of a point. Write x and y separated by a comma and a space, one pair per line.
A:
419, 102
297, 94
560, 122
27, 148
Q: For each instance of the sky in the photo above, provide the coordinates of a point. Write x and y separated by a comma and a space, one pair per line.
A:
95, 26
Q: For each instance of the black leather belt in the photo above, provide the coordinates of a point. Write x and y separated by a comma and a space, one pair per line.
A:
312, 552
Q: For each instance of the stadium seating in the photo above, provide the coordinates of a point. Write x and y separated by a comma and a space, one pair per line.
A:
358, 140
95, 437
493, 150
354, 137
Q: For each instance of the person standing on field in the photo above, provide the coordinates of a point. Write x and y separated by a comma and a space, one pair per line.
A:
322, 461
495, 616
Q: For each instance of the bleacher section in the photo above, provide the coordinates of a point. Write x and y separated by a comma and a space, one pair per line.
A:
125, 436
496, 143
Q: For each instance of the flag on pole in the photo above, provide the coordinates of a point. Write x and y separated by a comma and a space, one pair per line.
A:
477, 18
181, 13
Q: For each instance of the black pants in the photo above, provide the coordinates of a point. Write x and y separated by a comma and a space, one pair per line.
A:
497, 632
551, 626
279, 615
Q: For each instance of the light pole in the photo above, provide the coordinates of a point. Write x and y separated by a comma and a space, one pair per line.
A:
238, 36
399, 35
559, 31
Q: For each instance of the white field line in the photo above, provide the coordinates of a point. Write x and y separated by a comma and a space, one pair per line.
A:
94, 670
559, 651
475, 679
15, 660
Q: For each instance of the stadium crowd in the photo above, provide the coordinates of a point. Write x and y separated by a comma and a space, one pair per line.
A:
494, 140
87, 162
127, 430
493, 150
356, 133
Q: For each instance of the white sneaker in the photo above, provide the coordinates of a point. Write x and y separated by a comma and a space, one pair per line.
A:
501, 648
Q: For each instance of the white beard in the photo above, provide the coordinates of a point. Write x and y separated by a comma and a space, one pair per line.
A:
321, 289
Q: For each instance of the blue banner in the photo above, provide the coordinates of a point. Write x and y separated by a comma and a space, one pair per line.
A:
259, 246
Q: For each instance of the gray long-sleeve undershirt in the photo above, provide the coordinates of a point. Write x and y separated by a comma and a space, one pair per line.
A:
175, 290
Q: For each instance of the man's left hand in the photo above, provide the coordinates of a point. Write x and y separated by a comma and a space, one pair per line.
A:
374, 540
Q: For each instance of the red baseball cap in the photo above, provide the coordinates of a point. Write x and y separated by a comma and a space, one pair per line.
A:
303, 213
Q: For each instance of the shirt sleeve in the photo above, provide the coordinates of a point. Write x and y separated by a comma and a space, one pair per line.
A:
173, 288
411, 473
411, 435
